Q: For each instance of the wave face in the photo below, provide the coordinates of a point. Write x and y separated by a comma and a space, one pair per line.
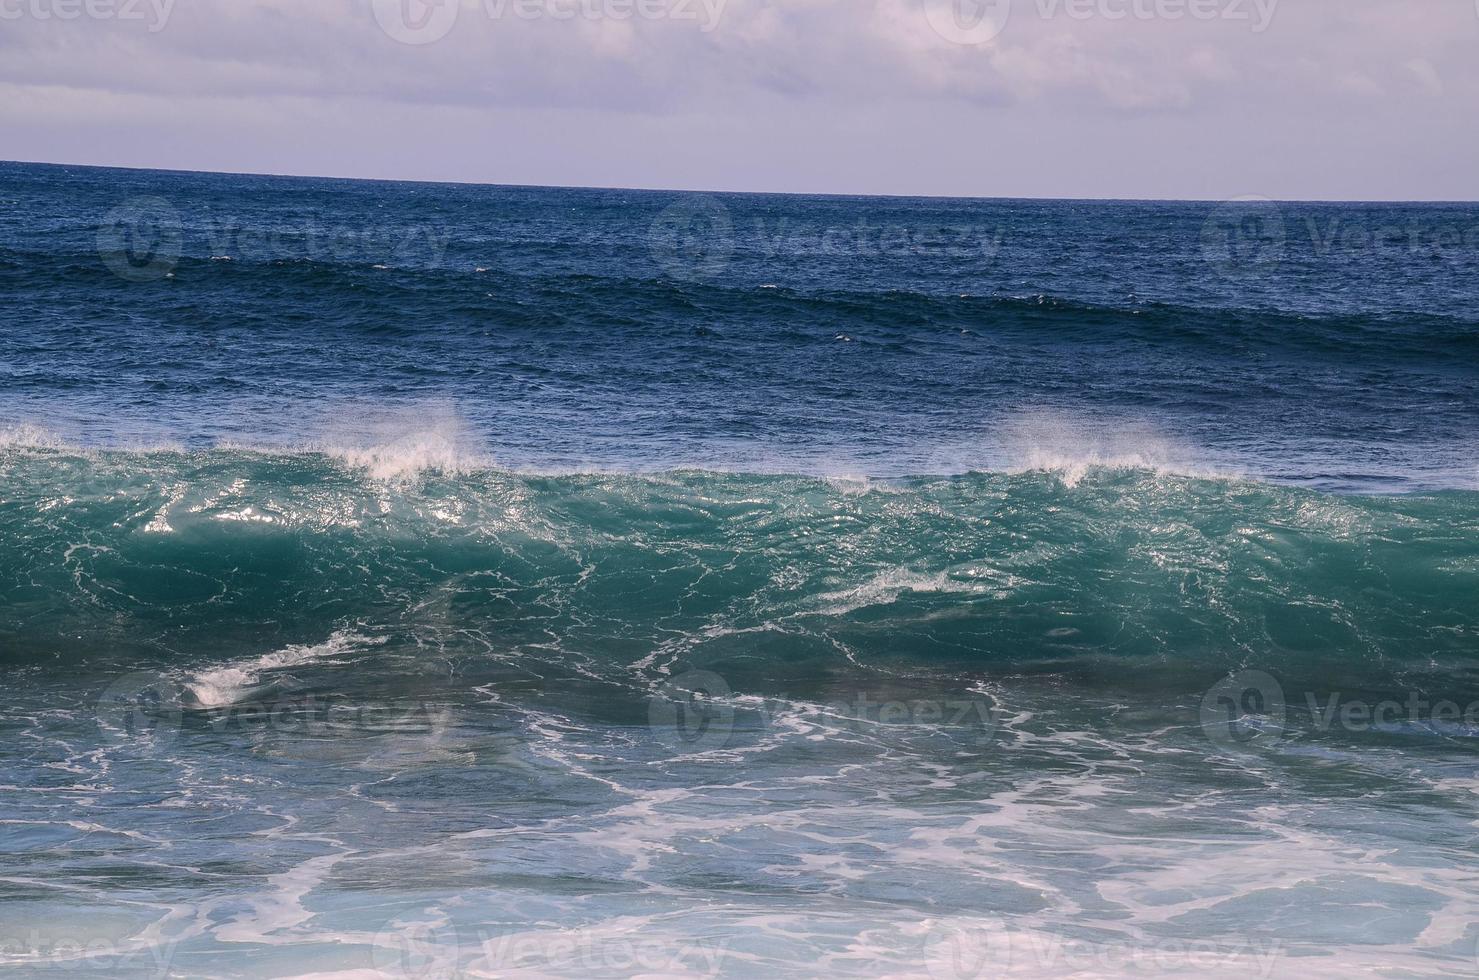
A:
1065, 561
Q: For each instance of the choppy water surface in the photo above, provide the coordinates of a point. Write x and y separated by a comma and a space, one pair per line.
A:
432, 581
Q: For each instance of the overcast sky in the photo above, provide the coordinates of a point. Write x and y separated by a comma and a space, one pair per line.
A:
1347, 99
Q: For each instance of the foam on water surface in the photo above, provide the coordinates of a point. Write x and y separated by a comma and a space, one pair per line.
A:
559, 607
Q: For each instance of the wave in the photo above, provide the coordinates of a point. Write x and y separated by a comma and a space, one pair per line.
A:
432, 278
1072, 448
27, 436
403, 444
242, 562
218, 686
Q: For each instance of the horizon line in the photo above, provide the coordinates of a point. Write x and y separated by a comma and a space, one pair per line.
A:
732, 192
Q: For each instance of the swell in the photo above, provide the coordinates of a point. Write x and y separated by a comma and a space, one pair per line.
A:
470, 286
222, 555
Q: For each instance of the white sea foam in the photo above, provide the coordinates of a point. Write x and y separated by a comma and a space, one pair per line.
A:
228, 683
888, 586
408, 457
405, 444
29, 435
26, 436
1071, 447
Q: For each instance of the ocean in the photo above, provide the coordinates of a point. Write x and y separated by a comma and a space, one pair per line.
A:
433, 580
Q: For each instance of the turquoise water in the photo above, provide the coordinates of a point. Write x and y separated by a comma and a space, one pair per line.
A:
583, 596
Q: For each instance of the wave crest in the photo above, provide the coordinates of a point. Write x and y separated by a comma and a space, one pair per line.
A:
1072, 447
227, 684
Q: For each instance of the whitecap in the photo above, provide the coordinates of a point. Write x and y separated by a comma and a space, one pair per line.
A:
228, 683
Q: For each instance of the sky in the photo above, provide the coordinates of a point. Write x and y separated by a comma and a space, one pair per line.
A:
1190, 99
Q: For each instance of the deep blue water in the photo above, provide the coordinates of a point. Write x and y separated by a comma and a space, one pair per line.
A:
444, 580
1330, 344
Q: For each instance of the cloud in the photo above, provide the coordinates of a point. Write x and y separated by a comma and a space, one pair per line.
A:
744, 68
